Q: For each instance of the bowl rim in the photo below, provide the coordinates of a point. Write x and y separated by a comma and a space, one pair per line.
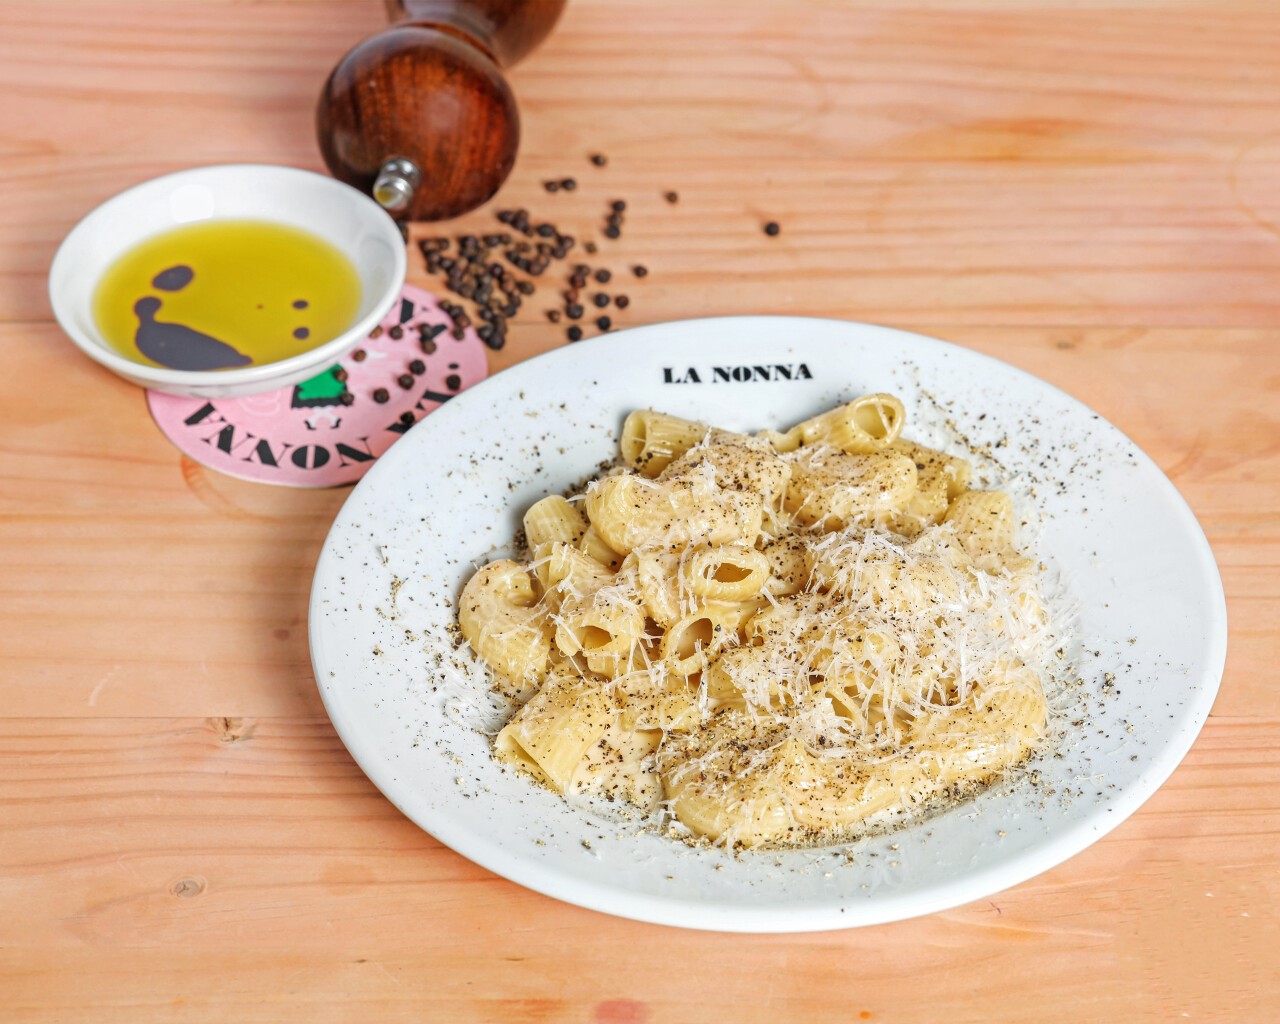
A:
266, 375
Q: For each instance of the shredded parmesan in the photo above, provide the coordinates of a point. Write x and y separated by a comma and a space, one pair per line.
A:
873, 671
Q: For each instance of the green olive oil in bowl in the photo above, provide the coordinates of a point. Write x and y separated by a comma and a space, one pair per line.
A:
220, 294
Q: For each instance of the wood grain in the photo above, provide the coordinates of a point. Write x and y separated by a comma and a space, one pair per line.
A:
1089, 191
268, 853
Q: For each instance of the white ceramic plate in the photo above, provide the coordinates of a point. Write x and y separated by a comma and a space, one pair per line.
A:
450, 495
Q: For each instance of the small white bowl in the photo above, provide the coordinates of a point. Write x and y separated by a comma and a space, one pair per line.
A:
343, 217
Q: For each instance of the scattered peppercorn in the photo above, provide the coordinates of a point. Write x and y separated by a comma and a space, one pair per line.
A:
396, 332
407, 418
551, 186
347, 398
417, 366
599, 159
600, 299
569, 184
590, 247
340, 374
671, 197
574, 333
622, 302
618, 206
612, 231
640, 270
603, 276
405, 380
382, 396
358, 355
772, 228
573, 311
553, 315
604, 323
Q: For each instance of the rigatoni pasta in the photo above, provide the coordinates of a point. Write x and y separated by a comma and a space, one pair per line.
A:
772, 639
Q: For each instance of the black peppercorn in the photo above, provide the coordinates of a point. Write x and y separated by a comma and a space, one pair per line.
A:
640, 270
599, 159
618, 206
573, 311
417, 366
612, 231
604, 323
574, 333
382, 395
603, 276
622, 302
405, 380
772, 228
600, 299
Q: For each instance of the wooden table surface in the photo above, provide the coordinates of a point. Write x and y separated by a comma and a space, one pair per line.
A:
1088, 191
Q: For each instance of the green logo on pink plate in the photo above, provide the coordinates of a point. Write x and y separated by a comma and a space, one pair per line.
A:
330, 429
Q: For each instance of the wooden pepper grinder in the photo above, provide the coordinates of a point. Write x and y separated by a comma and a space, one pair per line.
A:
420, 115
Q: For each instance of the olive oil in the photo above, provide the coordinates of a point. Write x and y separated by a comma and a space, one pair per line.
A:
226, 293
